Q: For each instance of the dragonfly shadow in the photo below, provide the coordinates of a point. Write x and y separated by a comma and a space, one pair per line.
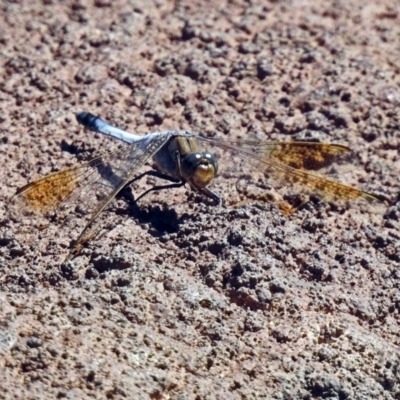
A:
82, 153
161, 220
69, 148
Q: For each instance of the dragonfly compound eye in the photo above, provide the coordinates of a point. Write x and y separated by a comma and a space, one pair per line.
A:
199, 169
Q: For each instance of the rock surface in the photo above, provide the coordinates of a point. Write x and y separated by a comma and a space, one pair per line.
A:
179, 299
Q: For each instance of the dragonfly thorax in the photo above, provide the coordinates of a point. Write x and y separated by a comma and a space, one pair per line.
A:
199, 169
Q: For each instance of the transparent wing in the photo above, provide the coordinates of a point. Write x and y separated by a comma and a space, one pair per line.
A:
289, 163
90, 186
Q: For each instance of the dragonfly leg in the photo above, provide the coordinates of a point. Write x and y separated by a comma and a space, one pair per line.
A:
162, 187
176, 183
156, 174
211, 195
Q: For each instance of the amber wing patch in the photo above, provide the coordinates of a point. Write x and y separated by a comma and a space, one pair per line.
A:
46, 194
309, 156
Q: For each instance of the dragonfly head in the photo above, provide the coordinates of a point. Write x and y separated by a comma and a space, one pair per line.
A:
199, 169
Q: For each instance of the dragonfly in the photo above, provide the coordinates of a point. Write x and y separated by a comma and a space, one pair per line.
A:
179, 158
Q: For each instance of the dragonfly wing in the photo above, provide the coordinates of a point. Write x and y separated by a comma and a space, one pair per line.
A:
289, 163
90, 186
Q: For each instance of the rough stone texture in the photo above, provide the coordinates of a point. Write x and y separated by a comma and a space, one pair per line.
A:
180, 299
